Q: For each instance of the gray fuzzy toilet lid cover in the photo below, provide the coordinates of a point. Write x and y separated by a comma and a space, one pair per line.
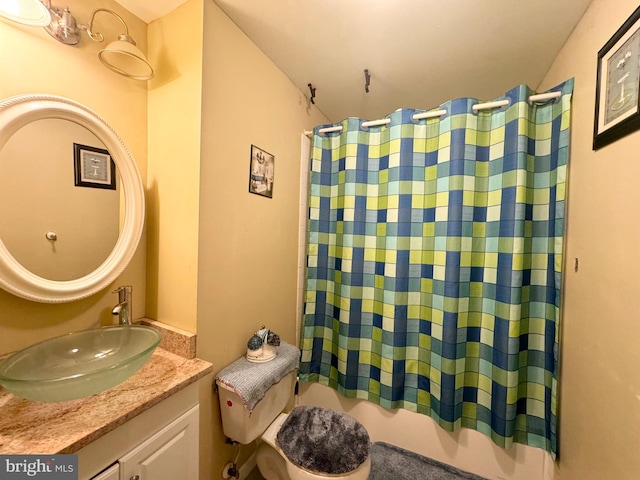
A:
323, 441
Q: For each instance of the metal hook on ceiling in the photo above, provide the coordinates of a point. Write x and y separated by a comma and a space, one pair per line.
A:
367, 80
312, 89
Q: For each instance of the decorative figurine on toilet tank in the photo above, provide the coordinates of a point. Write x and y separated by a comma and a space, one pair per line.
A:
261, 347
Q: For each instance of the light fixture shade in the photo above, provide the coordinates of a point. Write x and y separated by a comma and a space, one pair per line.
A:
126, 59
26, 12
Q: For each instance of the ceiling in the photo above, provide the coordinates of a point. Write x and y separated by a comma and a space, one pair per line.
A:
419, 53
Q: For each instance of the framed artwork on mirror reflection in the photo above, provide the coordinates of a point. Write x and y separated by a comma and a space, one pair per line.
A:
261, 172
94, 167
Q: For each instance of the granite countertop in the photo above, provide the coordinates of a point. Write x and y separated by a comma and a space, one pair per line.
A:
28, 427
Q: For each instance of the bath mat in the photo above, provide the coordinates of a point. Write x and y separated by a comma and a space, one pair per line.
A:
389, 462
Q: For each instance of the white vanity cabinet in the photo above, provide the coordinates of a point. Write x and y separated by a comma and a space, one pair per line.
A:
111, 473
170, 454
159, 444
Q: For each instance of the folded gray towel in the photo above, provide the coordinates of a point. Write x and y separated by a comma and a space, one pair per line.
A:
252, 380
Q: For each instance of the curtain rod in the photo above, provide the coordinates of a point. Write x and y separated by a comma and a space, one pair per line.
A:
439, 113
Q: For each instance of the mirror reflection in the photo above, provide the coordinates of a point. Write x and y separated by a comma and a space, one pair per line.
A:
60, 207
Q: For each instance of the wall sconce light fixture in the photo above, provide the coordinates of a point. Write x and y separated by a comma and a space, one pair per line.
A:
121, 56
26, 12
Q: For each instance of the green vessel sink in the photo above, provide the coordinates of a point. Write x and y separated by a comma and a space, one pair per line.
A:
79, 364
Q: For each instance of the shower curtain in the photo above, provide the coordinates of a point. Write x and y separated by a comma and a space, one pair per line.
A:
434, 264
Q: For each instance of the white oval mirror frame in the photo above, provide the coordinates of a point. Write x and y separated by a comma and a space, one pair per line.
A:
16, 112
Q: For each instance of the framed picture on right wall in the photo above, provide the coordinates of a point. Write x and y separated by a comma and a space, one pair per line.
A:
617, 111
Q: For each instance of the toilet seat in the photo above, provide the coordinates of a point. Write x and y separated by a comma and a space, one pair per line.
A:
270, 434
299, 472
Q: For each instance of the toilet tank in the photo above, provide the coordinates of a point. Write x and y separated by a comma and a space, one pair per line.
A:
244, 427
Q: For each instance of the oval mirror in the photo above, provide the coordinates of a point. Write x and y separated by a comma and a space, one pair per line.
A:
71, 200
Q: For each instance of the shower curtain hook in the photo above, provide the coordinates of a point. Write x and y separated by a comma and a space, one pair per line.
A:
312, 89
367, 80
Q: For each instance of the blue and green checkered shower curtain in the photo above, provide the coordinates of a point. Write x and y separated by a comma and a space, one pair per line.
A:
434, 264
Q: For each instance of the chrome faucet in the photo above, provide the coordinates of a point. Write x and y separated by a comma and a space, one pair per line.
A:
123, 308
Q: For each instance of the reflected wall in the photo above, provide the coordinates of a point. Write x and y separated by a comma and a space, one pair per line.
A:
54, 228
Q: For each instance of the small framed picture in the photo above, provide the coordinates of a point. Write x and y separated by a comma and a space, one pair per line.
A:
94, 167
261, 172
617, 111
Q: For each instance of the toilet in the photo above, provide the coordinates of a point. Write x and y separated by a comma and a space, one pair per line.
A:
331, 445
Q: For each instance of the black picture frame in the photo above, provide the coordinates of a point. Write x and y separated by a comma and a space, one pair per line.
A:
93, 167
261, 172
617, 110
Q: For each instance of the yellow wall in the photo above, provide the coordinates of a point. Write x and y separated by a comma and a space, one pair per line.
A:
248, 243
600, 379
224, 260
33, 62
174, 166
220, 260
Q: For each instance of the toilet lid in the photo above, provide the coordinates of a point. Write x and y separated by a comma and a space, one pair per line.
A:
323, 441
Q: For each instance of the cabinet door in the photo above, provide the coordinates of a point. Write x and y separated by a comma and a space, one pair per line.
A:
170, 454
111, 473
